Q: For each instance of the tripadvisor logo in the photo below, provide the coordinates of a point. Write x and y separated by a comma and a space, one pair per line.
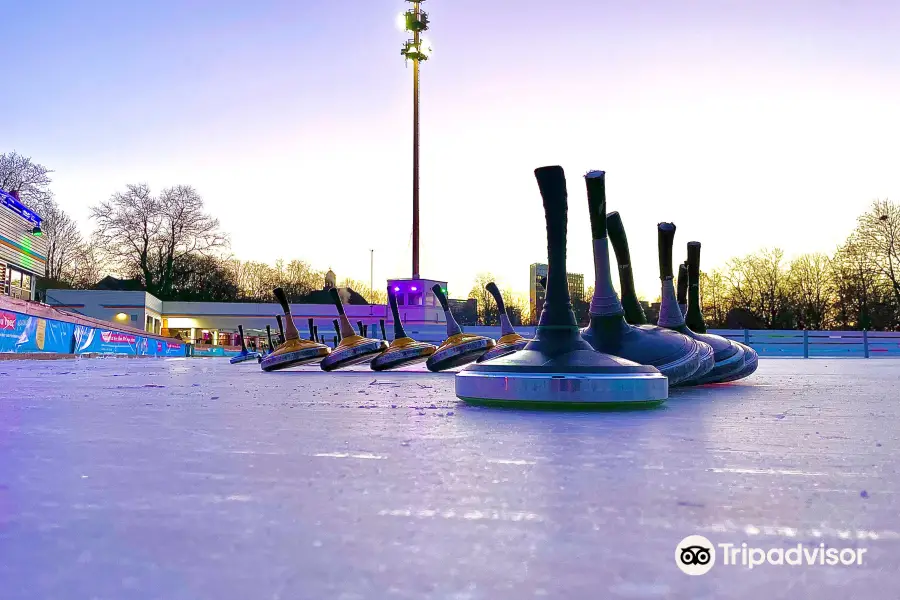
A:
696, 555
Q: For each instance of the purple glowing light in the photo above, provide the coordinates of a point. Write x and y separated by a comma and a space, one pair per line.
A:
396, 288
413, 288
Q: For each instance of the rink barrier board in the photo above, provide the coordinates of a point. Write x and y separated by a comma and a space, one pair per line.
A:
31, 334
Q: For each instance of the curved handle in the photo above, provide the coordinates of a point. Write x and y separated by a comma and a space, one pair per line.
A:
557, 310
436, 288
694, 316
243, 345
383, 332
398, 326
336, 298
280, 325
596, 195
666, 237
693, 262
682, 283
494, 291
337, 327
552, 184
615, 229
362, 329
269, 336
282, 300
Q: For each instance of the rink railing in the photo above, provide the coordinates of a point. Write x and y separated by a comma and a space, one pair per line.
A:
817, 344
768, 343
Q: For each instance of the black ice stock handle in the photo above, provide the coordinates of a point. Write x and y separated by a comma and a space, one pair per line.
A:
666, 238
596, 195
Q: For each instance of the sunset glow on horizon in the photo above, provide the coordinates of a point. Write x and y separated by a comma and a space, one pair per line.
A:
749, 125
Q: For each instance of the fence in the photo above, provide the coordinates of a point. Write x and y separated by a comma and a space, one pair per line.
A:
768, 343
818, 344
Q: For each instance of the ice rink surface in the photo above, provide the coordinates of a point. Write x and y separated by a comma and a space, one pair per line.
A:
197, 479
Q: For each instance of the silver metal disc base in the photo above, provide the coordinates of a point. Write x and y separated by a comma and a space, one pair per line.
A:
562, 388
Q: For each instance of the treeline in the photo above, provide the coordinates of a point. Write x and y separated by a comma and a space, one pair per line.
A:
857, 287
166, 241
252, 281
177, 251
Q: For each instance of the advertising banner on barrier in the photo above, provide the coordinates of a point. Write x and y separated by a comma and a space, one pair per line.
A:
21, 333
45, 335
88, 339
154, 347
27, 334
11, 327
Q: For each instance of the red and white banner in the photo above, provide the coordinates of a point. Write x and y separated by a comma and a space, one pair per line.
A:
7, 320
113, 337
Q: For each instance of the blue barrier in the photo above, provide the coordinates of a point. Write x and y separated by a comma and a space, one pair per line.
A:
103, 341
208, 351
22, 334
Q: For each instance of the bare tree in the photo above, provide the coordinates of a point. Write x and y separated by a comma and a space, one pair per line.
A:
714, 298
878, 234
86, 267
64, 241
29, 179
146, 235
863, 296
202, 278
363, 289
254, 280
297, 278
516, 306
487, 308
811, 285
759, 284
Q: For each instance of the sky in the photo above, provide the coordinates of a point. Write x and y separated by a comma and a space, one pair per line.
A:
749, 124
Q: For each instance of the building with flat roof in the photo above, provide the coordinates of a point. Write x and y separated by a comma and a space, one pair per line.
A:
23, 249
216, 323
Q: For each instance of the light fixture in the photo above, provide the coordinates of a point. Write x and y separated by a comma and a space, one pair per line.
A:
37, 231
413, 288
121, 317
396, 288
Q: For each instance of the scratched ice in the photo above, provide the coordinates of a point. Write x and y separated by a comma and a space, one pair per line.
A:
187, 479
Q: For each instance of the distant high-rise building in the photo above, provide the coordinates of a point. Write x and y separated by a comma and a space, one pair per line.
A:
536, 290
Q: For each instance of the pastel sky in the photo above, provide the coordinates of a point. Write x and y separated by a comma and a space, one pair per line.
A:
748, 123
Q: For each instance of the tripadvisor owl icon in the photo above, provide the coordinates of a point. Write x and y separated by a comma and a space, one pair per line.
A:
695, 555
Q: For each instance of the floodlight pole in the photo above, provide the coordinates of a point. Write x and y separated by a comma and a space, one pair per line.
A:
415, 231
415, 21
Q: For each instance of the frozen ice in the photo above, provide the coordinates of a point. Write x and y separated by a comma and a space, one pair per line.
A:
195, 478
